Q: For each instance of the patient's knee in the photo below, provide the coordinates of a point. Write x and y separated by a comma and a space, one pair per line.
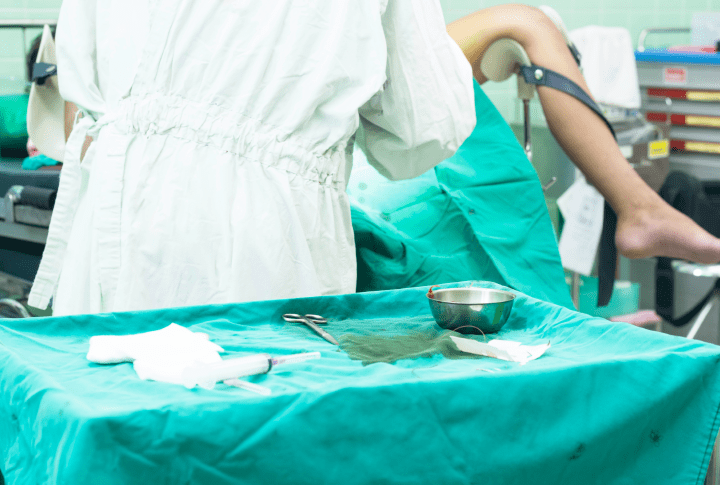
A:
529, 24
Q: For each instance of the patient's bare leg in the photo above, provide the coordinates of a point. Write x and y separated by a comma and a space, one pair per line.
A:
647, 226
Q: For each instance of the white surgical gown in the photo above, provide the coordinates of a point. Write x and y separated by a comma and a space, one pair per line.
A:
223, 142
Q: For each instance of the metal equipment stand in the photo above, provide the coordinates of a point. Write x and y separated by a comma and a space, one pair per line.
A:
702, 316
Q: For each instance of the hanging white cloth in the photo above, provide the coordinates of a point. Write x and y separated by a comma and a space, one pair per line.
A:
608, 62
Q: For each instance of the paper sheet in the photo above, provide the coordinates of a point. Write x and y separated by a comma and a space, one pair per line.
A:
583, 209
502, 349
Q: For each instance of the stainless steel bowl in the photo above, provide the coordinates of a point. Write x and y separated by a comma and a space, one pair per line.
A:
471, 310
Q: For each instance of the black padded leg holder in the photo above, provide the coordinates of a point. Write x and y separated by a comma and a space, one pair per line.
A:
38, 197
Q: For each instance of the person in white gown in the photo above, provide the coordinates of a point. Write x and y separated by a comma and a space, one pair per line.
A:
223, 136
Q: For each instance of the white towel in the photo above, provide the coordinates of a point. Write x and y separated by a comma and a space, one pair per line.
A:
160, 355
705, 28
608, 62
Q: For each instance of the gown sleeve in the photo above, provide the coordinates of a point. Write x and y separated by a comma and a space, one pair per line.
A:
425, 109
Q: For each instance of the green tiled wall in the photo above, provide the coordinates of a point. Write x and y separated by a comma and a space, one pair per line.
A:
634, 15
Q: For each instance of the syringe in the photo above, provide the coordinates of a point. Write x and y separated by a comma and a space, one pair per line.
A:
249, 386
294, 358
206, 375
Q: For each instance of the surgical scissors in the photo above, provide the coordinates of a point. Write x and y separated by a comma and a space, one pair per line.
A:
311, 321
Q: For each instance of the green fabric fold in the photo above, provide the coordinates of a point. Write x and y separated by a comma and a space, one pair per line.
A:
480, 214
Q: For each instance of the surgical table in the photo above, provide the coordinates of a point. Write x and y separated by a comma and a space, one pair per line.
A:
609, 403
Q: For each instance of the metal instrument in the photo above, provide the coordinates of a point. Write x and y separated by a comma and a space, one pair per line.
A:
311, 321
471, 310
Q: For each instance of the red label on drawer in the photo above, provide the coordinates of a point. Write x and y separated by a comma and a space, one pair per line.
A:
675, 75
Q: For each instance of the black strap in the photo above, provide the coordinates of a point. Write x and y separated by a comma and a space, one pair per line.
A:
42, 71
607, 259
575, 53
540, 76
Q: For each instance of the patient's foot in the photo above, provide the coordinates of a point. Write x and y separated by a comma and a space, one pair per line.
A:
657, 229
